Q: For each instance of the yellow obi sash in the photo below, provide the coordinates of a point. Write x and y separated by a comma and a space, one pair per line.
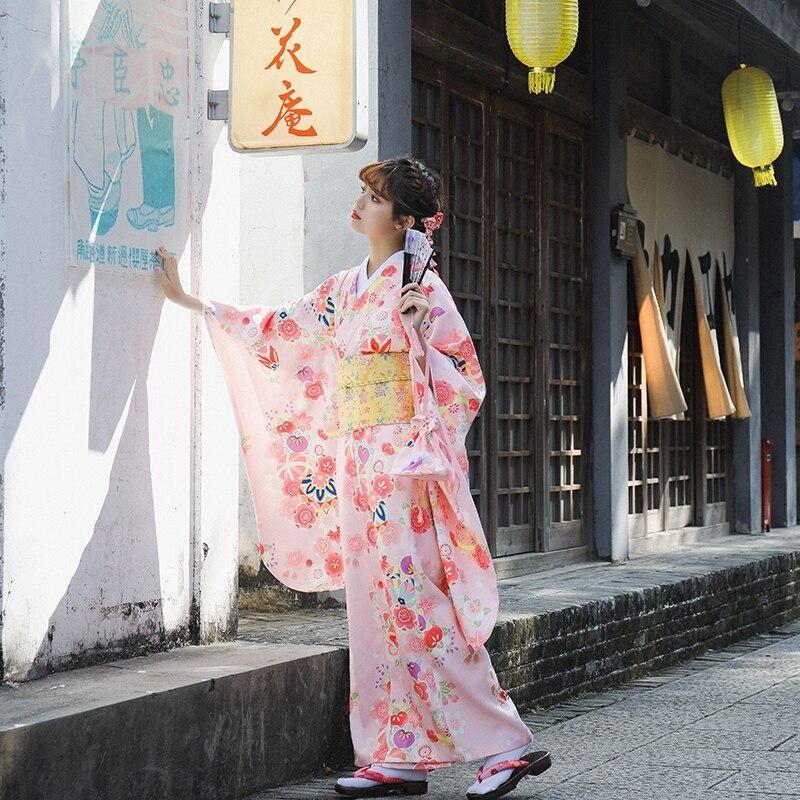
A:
374, 389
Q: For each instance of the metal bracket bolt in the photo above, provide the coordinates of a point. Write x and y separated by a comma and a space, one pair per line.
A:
219, 17
218, 104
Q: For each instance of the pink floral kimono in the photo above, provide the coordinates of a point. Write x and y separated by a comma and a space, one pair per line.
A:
411, 554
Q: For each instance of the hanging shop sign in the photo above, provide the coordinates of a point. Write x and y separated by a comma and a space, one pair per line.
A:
665, 397
298, 75
686, 216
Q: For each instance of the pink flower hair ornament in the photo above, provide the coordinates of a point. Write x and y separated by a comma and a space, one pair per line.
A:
431, 224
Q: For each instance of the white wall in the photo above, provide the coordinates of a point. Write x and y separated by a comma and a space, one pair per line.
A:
270, 229
106, 504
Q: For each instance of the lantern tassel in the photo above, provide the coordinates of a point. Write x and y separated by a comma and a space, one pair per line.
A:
764, 176
541, 79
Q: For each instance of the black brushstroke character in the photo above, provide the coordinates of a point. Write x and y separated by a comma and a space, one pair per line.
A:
727, 282
705, 270
641, 229
670, 263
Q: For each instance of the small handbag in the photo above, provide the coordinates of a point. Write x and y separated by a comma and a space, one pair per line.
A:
425, 454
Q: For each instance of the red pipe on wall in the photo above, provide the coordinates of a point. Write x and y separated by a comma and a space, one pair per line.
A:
766, 484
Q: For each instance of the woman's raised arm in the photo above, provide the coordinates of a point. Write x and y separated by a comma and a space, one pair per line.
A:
168, 279
309, 317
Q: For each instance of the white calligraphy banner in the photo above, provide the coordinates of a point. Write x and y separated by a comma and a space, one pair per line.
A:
687, 216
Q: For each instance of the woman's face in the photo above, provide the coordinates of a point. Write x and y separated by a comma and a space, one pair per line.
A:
371, 214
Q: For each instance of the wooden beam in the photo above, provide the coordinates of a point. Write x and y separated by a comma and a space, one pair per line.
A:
746, 433
639, 119
675, 110
685, 20
609, 367
692, 23
776, 322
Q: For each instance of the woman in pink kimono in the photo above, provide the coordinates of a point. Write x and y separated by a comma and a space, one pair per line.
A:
324, 390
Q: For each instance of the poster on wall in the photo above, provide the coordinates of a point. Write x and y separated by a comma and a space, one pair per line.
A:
128, 132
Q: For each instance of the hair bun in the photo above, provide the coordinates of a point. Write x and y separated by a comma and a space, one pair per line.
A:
414, 188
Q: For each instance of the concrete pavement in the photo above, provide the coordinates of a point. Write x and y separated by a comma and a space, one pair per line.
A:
723, 726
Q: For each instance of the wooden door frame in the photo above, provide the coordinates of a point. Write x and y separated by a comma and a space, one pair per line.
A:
515, 111
574, 533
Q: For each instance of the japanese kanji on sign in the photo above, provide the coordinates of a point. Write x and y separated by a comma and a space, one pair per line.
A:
298, 75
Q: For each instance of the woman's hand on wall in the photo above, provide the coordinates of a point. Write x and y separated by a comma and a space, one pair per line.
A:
167, 275
167, 278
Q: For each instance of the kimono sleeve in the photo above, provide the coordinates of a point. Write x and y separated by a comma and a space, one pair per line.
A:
279, 364
457, 390
457, 380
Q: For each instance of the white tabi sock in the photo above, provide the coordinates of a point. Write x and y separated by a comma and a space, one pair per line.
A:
493, 781
406, 773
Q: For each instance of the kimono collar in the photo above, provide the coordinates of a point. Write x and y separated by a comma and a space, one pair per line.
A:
395, 259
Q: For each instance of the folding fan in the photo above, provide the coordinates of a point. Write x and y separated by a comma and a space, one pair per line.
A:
417, 257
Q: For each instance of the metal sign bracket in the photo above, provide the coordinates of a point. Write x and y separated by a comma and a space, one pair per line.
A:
218, 104
219, 17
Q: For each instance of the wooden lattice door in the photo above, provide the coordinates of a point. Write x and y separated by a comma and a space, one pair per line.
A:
564, 294
512, 257
448, 135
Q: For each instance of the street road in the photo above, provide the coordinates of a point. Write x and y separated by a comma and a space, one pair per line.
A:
723, 726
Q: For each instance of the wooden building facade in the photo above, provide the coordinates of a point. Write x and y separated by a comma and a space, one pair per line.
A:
565, 464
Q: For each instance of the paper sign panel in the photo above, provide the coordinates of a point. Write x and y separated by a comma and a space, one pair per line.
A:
294, 75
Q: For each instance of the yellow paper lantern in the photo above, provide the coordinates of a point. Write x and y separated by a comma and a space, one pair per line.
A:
753, 121
542, 33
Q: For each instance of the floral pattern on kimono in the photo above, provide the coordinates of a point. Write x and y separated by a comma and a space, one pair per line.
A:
457, 389
420, 586
280, 367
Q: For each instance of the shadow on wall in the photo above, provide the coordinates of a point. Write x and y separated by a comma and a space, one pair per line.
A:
120, 560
